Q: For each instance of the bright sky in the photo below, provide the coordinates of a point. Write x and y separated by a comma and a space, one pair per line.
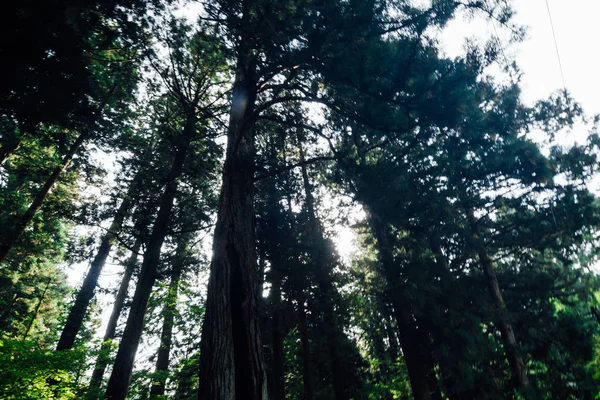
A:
577, 31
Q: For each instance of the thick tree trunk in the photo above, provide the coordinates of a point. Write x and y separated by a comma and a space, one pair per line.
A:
164, 352
231, 362
308, 374
118, 384
111, 328
15, 233
509, 341
422, 377
86, 293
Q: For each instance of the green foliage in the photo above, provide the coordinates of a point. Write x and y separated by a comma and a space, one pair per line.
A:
29, 371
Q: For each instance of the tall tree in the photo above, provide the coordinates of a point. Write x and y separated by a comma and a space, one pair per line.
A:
170, 309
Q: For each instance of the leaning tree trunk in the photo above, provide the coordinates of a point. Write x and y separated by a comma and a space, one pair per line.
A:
506, 332
166, 336
37, 309
86, 293
231, 362
15, 233
118, 384
420, 371
8, 147
111, 328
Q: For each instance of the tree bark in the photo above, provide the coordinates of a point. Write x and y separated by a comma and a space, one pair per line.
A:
164, 352
118, 384
420, 372
509, 341
86, 293
231, 362
15, 233
111, 328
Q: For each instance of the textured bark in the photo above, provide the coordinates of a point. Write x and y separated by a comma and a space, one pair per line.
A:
509, 341
118, 384
420, 371
15, 233
111, 328
166, 336
231, 363
86, 292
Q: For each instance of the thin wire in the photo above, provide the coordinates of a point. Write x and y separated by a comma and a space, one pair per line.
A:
562, 75
508, 69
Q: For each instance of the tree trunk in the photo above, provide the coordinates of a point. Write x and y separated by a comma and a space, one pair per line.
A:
37, 309
420, 372
118, 384
170, 310
111, 328
231, 362
185, 379
328, 294
13, 235
11, 238
86, 293
508, 337
307, 365
8, 148
278, 354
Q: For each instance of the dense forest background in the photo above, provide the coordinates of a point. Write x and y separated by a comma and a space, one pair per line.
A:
199, 171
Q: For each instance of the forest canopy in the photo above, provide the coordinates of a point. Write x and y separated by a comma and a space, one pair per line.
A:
194, 163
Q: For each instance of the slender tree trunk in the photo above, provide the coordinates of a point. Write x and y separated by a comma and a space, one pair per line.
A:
8, 148
328, 294
164, 352
278, 355
308, 377
15, 233
86, 293
37, 309
308, 374
420, 371
118, 384
509, 341
111, 328
231, 361
185, 378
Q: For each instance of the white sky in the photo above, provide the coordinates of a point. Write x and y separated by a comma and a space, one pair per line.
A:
577, 33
